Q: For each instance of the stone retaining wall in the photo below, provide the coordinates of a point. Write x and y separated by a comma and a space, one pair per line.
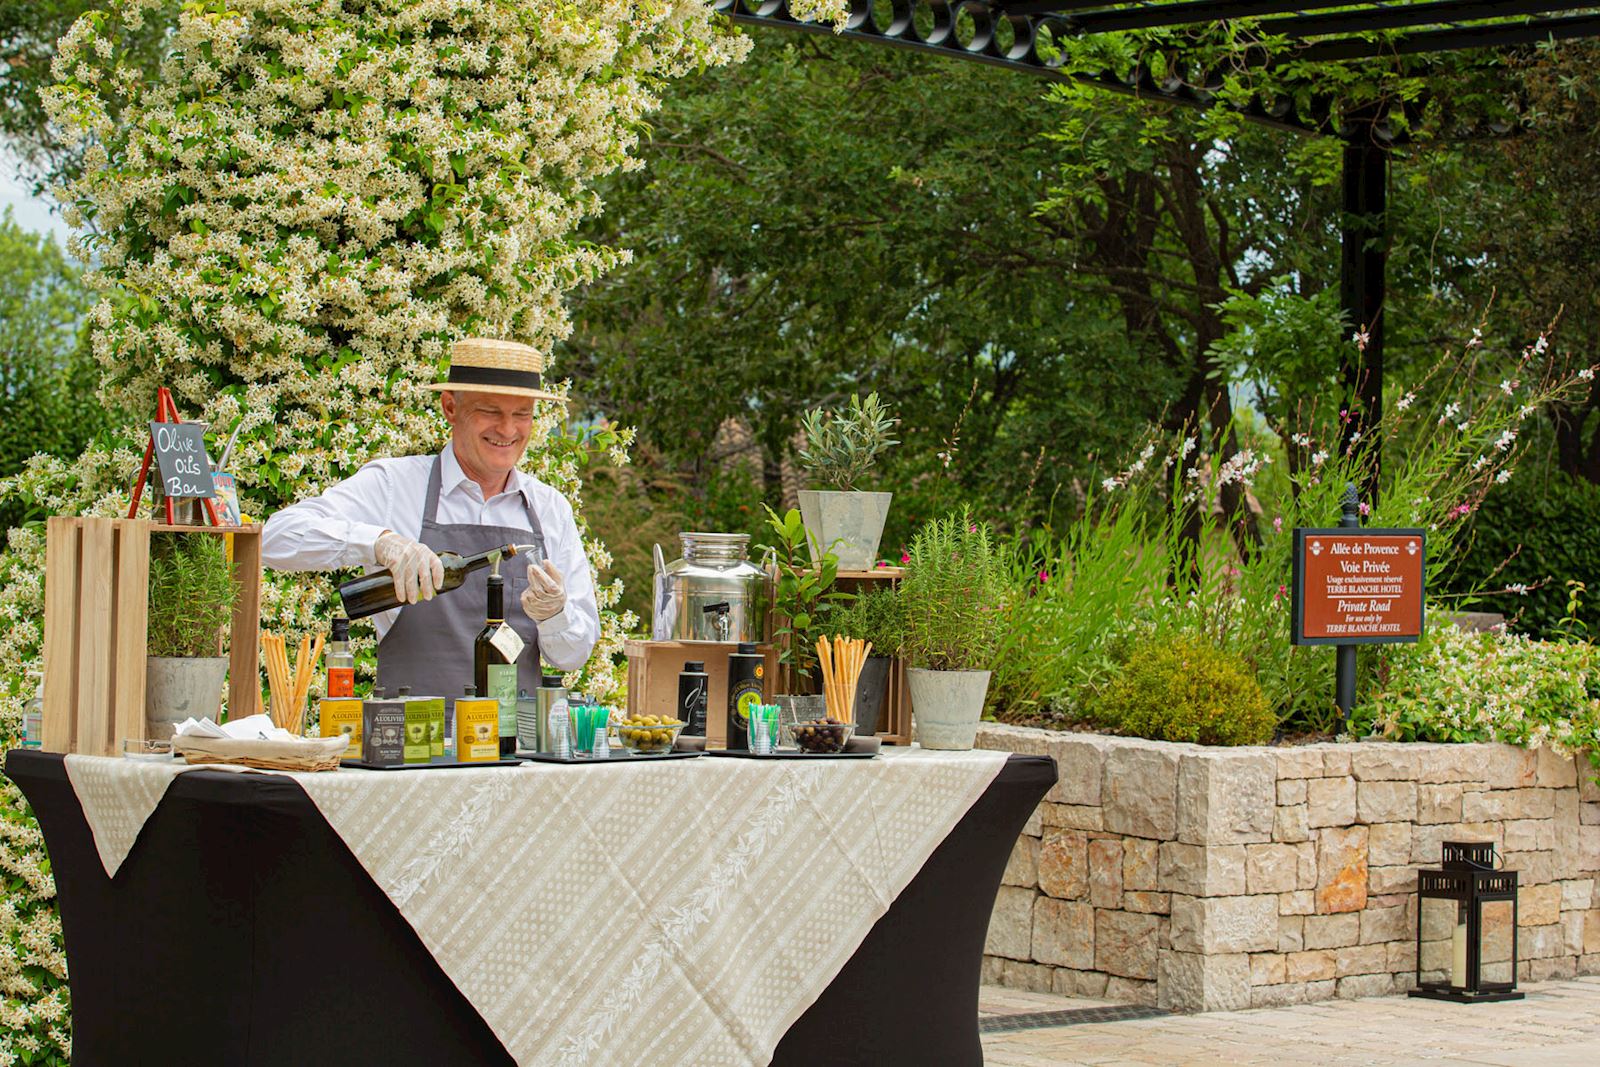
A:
1208, 879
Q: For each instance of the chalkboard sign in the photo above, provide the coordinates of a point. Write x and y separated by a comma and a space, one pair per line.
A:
180, 449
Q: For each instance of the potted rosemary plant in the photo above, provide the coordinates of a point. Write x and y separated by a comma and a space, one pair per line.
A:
873, 617
841, 446
191, 601
952, 601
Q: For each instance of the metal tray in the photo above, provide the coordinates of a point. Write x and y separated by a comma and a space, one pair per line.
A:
365, 766
791, 755
589, 761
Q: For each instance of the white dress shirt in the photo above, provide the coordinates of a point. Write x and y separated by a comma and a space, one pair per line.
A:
339, 528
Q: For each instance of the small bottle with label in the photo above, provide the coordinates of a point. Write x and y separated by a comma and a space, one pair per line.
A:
494, 663
693, 686
340, 661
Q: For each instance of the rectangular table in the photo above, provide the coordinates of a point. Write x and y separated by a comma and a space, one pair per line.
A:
241, 909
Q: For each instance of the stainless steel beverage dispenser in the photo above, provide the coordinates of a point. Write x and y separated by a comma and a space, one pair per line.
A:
714, 593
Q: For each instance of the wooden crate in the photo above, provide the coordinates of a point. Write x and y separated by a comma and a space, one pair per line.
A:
894, 725
96, 590
654, 666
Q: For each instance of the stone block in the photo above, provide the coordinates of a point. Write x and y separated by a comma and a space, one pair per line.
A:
1589, 848
1386, 801
1427, 841
1332, 801
1577, 894
1069, 983
1384, 761
1274, 868
1332, 931
1125, 943
1382, 880
1553, 771
1389, 844
1591, 932
1034, 827
1361, 959
1224, 924
1453, 763
1562, 967
1305, 762
1194, 982
1226, 798
1336, 761
1300, 902
1588, 782
1011, 924
1200, 871
1533, 868
1023, 866
1291, 933
1509, 767
1540, 942
1291, 791
1314, 966
1074, 817
1029, 977
1341, 869
1139, 790
1129, 991
1291, 823
1282, 996
1400, 956
1147, 903
1268, 968
1064, 864
1589, 814
1439, 803
1141, 868
1365, 985
1530, 835
1539, 905
1572, 933
1105, 872
1564, 829
1080, 760
1063, 933
1384, 924
1499, 805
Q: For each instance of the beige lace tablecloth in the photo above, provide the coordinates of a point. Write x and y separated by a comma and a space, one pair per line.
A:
680, 912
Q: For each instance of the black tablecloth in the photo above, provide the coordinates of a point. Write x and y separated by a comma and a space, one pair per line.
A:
241, 931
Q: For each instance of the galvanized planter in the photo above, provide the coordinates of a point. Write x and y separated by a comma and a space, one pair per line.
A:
850, 524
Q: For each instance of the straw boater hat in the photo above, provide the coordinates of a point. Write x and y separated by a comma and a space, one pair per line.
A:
483, 365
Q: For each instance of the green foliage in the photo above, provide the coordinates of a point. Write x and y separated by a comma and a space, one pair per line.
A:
1184, 689
874, 617
954, 597
1459, 687
843, 444
1531, 534
805, 594
191, 594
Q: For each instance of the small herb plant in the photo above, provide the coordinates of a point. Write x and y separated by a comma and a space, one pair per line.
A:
1185, 689
953, 599
191, 594
805, 592
872, 617
842, 445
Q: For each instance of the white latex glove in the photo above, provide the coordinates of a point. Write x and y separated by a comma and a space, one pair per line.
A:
417, 572
546, 594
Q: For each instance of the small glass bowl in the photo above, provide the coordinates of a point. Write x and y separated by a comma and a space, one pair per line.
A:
143, 748
818, 738
648, 740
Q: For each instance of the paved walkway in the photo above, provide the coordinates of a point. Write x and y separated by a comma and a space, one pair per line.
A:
1558, 1025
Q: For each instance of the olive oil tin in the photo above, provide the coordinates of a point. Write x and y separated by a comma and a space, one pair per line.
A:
432, 709
477, 729
383, 731
416, 747
342, 717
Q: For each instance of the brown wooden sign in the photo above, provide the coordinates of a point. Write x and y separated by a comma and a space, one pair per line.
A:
1358, 587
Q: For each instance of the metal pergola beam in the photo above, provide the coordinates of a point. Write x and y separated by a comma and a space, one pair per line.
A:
1493, 35
1407, 16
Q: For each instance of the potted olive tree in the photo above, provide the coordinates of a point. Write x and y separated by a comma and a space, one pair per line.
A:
841, 446
873, 617
191, 601
953, 602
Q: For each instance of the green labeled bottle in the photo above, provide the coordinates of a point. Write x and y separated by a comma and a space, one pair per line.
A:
372, 593
494, 662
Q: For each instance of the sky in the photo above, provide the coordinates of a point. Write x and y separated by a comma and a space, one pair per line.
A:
30, 212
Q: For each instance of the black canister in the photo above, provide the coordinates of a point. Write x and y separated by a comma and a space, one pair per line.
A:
693, 686
746, 667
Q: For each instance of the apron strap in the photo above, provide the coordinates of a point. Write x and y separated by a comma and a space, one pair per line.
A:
430, 505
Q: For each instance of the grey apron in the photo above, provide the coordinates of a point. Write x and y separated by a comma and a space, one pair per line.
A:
429, 647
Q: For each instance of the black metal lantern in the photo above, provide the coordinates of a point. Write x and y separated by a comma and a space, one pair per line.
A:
1468, 880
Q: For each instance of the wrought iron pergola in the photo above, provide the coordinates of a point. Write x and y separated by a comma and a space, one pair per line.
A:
1020, 34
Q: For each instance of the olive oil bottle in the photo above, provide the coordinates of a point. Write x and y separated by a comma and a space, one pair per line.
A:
372, 593
494, 663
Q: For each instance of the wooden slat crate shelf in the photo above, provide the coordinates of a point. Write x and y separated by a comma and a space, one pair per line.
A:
95, 628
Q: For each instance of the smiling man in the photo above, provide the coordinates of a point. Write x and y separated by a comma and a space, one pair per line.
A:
399, 514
